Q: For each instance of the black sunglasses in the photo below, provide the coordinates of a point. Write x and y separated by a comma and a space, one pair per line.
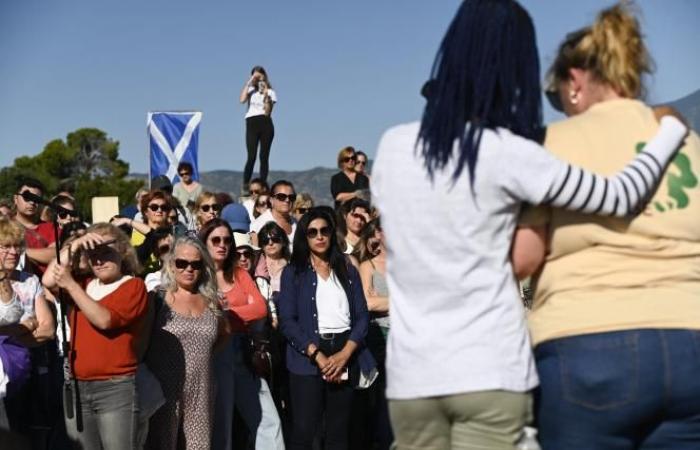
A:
163, 249
63, 215
247, 254
182, 264
270, 240
217, 240
311, 233
214, 207
284, 197
164, 207
184, 174
361, 162
261, 204
349, 158
303, 210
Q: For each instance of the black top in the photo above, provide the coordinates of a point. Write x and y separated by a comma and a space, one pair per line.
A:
341, 184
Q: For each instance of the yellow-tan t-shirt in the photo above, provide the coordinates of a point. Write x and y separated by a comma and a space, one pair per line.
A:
607, 274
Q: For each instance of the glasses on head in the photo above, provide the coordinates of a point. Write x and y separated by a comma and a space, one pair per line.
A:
184, 174
163, 249
215, 207
247, 254
284, 197
217, 240
311, 233
302, 210
164, 207
271, 240
350, 158
182, 264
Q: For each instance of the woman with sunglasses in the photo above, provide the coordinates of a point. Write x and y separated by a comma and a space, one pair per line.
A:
459, 364
237, 385
188, 322
107, 321
361, 163
347, 184
188, 189
275, 256
323, 314
261, 205
618, 295
282, 200
206, 208
302, 204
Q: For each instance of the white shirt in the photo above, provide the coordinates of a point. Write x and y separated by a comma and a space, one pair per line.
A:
267, 216
457, 321
256, 102
332, 305
97, 290
249, 205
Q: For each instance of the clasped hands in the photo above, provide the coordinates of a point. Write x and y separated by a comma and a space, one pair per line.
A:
332, 367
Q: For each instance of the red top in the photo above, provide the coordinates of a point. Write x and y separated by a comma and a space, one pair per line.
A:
244, 301
100, 355
40, 237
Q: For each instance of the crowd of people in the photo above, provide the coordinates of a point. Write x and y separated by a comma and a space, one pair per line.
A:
191, 320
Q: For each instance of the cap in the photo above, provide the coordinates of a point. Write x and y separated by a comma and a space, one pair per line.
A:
237, 217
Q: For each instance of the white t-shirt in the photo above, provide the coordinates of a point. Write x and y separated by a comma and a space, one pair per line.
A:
332, 305
249, 205
458, 324
256, 102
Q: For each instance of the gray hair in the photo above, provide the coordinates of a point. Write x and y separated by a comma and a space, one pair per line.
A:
206, 285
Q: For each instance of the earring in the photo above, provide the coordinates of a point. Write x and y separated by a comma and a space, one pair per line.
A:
573, 97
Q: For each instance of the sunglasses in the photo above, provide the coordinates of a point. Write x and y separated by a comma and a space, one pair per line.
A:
261, 204
164, 207
256, 191
284, 197
271, 240
361, 162
182, 264
163, 249
217, 240
303, 210
311, 233
247, 254
349, 158
184, 174
214, 207
63, 215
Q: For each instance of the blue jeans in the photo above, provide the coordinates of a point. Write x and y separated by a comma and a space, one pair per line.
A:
109, 412
637, 389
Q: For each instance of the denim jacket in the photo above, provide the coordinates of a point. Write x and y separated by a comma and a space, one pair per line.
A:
298, 317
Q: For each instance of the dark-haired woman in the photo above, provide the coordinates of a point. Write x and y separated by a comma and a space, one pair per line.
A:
260, 131
237, 386
323, 314
459, 363
275, 256
615, 296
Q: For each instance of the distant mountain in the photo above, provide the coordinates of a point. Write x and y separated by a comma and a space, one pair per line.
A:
689, 106
316, 181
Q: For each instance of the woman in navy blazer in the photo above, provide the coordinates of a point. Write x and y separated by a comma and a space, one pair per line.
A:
323, 314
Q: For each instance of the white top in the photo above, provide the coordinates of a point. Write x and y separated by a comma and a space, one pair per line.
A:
152, 281
249, 205
332, 305
458, 324
25, 289
97, 290
256, 103
267, 216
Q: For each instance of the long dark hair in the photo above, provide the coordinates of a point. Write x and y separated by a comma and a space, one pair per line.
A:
231, 259
272, 229
486, 74
302, 253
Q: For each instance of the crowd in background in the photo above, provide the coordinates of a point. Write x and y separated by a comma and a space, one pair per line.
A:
192, 320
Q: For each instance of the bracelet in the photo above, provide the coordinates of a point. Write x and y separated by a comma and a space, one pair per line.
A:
313, 355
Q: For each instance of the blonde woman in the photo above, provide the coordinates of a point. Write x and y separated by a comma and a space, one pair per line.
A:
107, 319
347, 184
616, 316
206, 208
188, 322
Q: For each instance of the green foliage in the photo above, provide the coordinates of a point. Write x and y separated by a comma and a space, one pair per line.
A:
87, 164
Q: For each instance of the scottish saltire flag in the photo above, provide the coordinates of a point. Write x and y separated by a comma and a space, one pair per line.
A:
174, 139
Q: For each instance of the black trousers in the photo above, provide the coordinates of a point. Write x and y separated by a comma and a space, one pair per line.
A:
259, 130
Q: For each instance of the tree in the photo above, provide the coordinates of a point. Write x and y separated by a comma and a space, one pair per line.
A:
86, 163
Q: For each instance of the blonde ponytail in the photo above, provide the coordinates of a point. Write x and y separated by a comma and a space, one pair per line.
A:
612, 49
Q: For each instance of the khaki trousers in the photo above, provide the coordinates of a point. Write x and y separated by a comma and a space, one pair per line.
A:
491, 420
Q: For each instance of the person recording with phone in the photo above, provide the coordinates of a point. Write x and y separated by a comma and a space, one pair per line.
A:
260, 131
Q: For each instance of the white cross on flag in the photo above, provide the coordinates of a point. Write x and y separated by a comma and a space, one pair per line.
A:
174, 138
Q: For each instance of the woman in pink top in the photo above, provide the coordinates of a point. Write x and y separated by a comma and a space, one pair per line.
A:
237, 385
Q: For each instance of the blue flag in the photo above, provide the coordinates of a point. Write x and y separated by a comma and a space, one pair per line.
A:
174, 138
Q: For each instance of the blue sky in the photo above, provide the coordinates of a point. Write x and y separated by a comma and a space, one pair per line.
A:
343, 71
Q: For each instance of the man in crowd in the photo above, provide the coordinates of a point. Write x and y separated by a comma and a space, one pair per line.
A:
38, 235
282, 199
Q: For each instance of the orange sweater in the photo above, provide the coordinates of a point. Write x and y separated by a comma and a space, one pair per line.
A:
245, 302
100, 355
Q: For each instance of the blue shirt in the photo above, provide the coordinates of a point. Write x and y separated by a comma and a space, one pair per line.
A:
298, 316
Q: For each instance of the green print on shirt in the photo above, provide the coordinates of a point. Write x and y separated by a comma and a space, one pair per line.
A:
677, 184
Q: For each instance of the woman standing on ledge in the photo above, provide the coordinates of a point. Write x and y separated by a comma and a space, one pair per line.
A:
260, 97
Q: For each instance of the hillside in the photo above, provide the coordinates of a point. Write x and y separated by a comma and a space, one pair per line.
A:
689, 106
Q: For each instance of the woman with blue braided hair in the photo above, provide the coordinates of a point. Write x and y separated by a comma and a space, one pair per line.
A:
459, 365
